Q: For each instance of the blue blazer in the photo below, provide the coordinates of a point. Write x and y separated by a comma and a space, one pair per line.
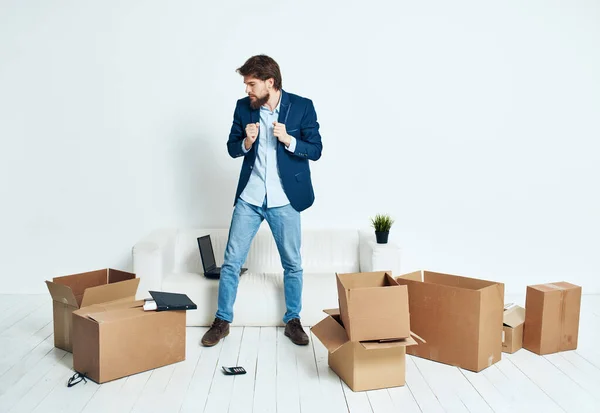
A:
300, 120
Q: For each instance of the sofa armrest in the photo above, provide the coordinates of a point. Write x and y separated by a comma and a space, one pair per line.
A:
153, 258
378, 257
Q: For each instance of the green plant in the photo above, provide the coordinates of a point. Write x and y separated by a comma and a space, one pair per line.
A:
382, 222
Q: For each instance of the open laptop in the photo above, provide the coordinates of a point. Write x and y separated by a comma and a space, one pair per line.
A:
208, 259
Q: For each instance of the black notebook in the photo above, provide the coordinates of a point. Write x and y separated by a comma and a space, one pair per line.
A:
172, 301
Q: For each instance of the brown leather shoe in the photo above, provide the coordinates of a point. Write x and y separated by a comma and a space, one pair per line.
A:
293, 329
218, 330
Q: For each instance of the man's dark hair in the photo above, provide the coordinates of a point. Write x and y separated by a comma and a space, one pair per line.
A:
262, 67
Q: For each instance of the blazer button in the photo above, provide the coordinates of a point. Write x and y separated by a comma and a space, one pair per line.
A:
251, 167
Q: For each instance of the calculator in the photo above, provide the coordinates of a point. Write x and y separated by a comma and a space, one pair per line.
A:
233, 370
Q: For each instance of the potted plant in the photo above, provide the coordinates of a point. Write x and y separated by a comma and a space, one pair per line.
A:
382, 224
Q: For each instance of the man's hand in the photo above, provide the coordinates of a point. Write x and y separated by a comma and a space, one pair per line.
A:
251, 134
281, 134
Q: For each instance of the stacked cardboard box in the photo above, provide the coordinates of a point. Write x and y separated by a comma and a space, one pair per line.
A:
367, 336
459, 318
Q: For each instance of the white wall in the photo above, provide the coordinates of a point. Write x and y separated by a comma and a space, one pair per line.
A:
475, 124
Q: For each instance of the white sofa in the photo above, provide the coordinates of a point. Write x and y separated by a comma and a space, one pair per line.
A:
169, 260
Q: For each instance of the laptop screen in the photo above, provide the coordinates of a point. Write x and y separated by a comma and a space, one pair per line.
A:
206, 253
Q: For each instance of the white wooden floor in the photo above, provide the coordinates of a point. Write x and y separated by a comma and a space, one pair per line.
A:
286, 378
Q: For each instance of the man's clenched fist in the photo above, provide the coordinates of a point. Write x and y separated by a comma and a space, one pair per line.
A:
251, 134
281, 134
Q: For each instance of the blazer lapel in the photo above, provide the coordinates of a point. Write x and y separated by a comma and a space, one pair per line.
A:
284, 107
254, 115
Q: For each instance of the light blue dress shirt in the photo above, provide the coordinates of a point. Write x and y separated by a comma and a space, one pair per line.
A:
264, 180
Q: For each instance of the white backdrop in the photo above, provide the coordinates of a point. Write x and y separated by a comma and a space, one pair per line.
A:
474, 124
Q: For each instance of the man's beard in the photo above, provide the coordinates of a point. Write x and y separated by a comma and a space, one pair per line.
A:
258, 102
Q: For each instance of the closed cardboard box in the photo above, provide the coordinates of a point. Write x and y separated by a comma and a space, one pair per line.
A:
111, 341
552, 317
512, 331
459, 318
373, 306
80, 290
362, 365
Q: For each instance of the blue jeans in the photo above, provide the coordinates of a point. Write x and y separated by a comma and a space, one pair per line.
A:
285, 225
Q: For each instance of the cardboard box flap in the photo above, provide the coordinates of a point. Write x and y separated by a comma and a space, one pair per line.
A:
514, 316
331, 333
332, 311
109, 306
110, 292
112, 315
412, 276
80, 282
378, 345
375, 279
115, 276
62, 294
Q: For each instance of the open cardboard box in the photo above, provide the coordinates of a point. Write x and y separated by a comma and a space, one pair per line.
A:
115, 340
459, 318
81, 290
551, 317
373, 306
512, 331
365, 365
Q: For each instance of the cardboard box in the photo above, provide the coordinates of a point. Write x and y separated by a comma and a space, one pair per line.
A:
115, 340
362, 365
460, 318
80, 290
373, 306
552, 317
512, 331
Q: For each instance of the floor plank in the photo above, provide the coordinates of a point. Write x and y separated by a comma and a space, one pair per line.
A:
265, 385
197, 392
563, 390
523, 394
357, 401
20, 387
243, 385
221, 388
308, 378
420, 389
403, 399
330, 385
288, 394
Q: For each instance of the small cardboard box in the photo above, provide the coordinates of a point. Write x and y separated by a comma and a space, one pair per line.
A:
460, 318
551, 317
362, 365
80, 290
373, 306
115, 340
512, 331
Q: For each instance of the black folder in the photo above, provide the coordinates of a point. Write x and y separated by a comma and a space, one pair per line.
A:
172, 301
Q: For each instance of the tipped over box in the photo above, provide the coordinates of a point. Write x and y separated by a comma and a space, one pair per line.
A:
512, 331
